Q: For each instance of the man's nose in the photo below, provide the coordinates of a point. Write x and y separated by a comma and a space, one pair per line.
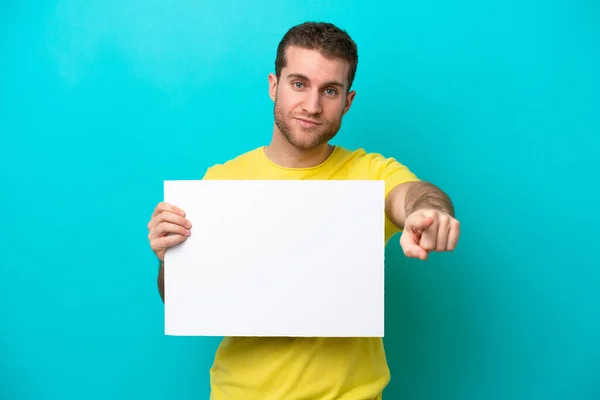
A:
312, 102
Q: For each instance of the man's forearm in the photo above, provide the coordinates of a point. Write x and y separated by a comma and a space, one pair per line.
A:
161, 281
426, 195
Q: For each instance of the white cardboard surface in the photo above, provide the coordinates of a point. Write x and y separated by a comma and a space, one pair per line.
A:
277, 258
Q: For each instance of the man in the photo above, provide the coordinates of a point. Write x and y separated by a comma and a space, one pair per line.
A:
314, 70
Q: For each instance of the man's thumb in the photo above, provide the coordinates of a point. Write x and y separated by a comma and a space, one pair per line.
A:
411, 247
415, 251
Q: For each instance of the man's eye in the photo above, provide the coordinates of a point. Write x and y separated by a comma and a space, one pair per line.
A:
298, 85
330, 92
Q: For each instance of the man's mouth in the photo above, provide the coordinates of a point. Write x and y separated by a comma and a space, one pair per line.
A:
307, 123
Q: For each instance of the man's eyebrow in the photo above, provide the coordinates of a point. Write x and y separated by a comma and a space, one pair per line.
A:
305, 78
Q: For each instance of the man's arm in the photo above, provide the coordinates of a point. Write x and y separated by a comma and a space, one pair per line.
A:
161, 281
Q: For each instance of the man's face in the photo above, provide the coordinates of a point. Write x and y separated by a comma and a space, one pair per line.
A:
310, 98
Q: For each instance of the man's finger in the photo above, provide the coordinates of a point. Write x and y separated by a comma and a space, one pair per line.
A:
168, 228
409, 238
410, 246
419, 222
453, 235
168, 241
415, 252
428, 238
163, 206
168, 216
443, 231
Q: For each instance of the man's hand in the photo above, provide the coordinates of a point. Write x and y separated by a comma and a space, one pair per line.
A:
428, 230
167, 227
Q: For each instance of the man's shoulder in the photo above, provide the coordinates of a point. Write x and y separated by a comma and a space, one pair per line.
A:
234, 165
349, 153
365, 164
360, 156
243, 158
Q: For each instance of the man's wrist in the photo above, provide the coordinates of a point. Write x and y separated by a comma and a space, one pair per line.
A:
425, 195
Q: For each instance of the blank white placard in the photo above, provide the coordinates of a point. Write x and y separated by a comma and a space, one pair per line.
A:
300, 258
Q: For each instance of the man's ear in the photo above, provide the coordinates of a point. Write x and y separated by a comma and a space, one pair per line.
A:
349, 100
272, 86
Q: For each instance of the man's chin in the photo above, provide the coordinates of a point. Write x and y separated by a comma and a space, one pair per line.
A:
307, 141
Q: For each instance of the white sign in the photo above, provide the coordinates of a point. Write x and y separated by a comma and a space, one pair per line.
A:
299, 258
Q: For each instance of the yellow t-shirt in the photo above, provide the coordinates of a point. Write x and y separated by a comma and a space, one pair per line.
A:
255, 368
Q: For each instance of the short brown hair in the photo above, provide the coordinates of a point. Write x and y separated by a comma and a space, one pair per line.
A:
325, 37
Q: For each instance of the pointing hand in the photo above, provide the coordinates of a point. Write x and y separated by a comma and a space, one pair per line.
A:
428, 230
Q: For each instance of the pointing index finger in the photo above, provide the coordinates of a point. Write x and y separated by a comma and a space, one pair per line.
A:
422, 222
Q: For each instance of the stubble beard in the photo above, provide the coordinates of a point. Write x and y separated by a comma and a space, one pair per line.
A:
322, 134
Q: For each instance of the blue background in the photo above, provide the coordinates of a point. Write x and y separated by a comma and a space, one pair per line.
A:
497, 102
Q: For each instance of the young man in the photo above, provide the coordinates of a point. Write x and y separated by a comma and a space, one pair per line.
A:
314, 70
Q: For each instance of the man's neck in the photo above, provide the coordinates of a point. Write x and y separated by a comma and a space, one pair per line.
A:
284, 154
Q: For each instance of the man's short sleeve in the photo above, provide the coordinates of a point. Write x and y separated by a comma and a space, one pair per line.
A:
208, 175
393, 173
215, 172
390, 170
